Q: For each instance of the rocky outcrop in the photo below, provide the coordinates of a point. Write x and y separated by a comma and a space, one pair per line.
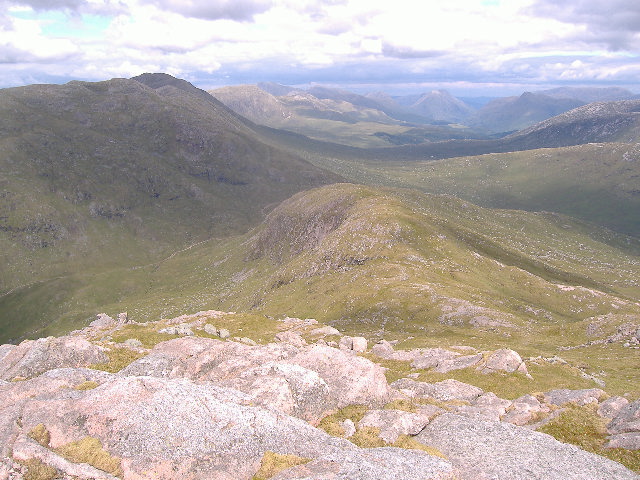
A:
166, 428
351, 379
625, 428
442, 391
578, 397
206, 359
393, 423
482, 449
357, 344
457, 363
612, 406
308, 382
291, 338
374, 464
487, 406
183, 329
504, 360
324, 331
444, 360
102, 321
524, 410
33, 357
287, 387
205, 408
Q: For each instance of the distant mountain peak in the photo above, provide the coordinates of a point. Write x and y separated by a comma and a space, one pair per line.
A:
160, 80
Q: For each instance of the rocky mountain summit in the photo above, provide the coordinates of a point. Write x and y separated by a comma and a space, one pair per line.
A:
187, 398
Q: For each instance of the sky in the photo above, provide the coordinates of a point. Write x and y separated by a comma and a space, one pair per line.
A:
469, 47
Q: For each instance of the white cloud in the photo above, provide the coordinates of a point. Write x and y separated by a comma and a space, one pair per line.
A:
23, 42
241, 10
415, 41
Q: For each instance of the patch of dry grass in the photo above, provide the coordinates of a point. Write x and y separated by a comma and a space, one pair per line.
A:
119, 358
36, 470
332, 423
405, 441
88, 385
273, 463
368, 437
89, 450
40, 434
581, 426
403, 404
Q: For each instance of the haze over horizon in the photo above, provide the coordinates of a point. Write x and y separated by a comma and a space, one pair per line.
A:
470, 47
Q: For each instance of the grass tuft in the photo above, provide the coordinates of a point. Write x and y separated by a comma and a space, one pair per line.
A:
402, 404
89, 450
273, 463
368, 437
581, 426
40, 434
118, 359
88, 385
405, 441
331, 423
36, 470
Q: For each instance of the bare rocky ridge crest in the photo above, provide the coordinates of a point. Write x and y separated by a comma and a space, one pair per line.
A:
196, 407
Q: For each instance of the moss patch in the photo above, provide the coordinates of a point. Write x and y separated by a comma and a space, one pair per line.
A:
273, 463
402, 404
395, 369
146, 333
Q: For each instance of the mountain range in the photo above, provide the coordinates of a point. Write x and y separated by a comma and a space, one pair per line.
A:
390, 219
379, 119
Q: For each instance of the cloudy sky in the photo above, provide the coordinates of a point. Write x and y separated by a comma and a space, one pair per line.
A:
466, 46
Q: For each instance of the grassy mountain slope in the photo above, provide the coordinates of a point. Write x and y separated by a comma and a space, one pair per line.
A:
598, 183
597, 122
515, 113
118, 173
440, 105
397, 264
594, 123
591, 94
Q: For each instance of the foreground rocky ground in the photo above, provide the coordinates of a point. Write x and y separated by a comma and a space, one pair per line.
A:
310, 405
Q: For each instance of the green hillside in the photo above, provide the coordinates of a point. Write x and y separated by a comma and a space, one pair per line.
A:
117, 173
384, 263
597, 183
151, 197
